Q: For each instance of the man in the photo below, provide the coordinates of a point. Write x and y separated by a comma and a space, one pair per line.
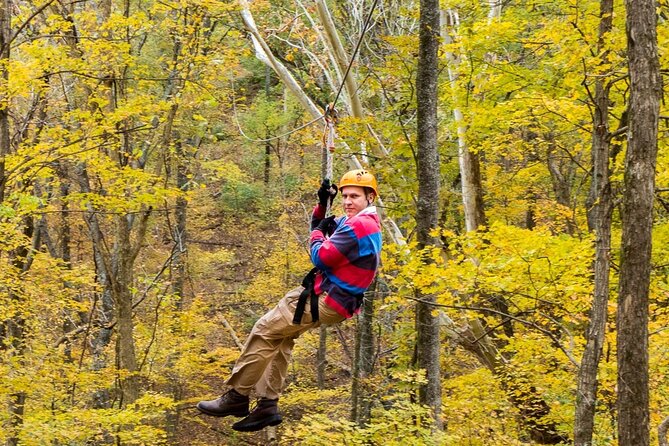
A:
345, 252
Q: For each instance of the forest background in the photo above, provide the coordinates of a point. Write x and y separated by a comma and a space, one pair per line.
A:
158, 167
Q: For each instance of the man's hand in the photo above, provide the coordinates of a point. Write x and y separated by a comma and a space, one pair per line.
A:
327, 192
327, 226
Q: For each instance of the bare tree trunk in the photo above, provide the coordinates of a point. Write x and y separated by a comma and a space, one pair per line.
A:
470, 170
427, 215
363, 365
321, 360
637, 223
179, 267
105, 315
337, 49
122, 294
561, 173
662, 432
472, 194
13, 328
474, 335
268, 144
117, 270
264, 53
5, 34
600, 206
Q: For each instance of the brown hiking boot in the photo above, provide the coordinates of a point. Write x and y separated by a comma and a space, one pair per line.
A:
266, 413
231, 403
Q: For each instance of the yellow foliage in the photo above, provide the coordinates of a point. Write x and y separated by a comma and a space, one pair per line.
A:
399, 424
476, 410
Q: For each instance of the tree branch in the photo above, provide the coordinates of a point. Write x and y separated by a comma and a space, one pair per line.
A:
510, 316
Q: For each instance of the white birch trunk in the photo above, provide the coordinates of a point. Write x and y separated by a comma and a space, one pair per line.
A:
264, 54
337, 49
473, 208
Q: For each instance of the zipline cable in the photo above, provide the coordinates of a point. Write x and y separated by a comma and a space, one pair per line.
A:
365, 27
248, 138
332, 104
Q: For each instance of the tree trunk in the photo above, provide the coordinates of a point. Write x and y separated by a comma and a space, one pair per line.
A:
122, 294
662, 432
427, 214
363, 365
15, 330
5, 35
342, 60
116, 268
105, 315
470, 170
561, 173
264, 53
179, 270
12, 329
321, 353
637, 223
268, 144
179, 273
600, 207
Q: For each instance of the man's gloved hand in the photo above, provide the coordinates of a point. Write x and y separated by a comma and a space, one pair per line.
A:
326, 192
327, 226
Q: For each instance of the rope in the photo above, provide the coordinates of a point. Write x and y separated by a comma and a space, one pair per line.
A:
329, 146
329, 136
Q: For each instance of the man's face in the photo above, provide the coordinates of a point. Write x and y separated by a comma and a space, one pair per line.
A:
354, 199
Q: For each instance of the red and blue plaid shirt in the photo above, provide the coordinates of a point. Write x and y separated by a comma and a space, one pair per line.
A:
348, 260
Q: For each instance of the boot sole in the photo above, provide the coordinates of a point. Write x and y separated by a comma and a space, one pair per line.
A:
221, 414
273, 420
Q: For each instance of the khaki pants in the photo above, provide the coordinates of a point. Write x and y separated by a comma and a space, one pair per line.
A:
263, 363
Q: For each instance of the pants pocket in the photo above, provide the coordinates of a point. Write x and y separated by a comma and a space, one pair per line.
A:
289, 304
327, 314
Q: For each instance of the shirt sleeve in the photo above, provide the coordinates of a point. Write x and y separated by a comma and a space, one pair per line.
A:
317, 215
328, 254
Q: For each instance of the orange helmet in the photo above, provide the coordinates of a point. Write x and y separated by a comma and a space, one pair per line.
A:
360, 178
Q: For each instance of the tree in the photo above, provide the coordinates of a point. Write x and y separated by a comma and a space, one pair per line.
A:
428, 342
363, 366
475, 335
600, 204
13, 330
637, 223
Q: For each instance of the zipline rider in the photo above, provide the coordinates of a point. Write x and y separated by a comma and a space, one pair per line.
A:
345, 252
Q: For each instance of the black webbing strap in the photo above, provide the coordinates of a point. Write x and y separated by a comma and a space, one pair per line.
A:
308, 292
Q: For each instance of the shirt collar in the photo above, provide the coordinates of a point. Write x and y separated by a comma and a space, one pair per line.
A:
367, 210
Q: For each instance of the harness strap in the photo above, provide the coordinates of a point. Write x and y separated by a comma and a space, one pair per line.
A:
308, 292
